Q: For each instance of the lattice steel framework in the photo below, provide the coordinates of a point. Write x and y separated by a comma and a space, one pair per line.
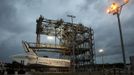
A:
71, 36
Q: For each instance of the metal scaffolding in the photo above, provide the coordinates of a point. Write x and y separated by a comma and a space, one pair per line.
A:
75, 42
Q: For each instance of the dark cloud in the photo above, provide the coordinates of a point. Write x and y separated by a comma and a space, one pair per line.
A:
8, 18
18, 20
12, 29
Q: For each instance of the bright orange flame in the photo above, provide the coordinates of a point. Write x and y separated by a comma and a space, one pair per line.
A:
126, 1
114, 8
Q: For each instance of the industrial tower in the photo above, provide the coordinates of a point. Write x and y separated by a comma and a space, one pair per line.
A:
72, 41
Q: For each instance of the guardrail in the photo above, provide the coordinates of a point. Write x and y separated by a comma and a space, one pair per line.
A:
45, 45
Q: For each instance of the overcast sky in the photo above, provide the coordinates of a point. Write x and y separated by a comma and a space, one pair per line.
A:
18, 22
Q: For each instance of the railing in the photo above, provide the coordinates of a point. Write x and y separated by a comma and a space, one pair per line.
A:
41, 45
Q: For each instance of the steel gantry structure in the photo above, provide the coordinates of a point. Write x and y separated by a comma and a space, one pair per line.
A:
70, 36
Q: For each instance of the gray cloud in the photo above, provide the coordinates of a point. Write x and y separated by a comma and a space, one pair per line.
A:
18, 22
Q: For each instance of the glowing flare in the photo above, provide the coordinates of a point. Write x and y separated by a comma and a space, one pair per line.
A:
126, 1
114, 8
101, 50
49, 37
108, 10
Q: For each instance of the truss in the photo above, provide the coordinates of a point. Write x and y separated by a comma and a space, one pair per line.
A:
71, 37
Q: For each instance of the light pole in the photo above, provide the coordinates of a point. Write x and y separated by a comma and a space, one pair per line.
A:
73, 53
102, 52
116, 9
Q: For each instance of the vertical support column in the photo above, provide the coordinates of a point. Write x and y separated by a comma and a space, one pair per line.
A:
39, 29
37, 40
93, 49
74, 33
55, 36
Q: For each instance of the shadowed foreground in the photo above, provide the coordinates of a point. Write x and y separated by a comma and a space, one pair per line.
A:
84, 73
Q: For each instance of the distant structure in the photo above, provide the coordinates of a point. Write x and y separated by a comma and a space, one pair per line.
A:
74, 42
70, 35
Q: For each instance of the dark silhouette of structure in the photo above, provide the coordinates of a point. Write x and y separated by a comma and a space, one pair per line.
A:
68, 37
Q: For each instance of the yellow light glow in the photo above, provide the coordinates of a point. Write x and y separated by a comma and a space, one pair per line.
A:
114, 8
